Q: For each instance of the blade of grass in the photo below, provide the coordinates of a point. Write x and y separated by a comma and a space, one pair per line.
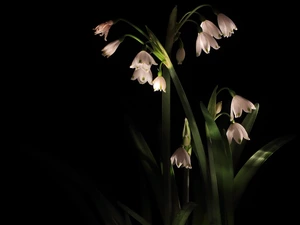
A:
211, 107
132, 213
250, 168
148, 162
221, 171
183, 215
105, 209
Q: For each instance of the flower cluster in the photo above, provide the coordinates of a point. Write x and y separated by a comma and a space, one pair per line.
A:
222, 181
206, 39
236, 131
208, 34
182, 156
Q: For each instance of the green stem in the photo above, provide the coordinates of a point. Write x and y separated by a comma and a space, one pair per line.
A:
188, 15
166, 148
166, 123
198, 146
192, 122
186, 186
134, 26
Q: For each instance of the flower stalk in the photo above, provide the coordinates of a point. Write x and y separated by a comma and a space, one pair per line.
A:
221, 186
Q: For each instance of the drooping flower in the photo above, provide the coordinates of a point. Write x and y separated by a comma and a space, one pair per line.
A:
142, 76
204, 42
110, 49
210, 28
143, 60
226, 25
237, 132
240, 104
181, 158
103, 28
159, 84
180, 55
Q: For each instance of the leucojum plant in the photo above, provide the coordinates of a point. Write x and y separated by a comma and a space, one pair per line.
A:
221, 182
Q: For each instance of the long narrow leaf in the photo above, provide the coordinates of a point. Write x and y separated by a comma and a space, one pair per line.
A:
211, 107
221, 167
106, 210
183, 215
127, 219
237, 149
136, 216
175, 196
148, 162
199, 214
250, 168
198, 148
145, 198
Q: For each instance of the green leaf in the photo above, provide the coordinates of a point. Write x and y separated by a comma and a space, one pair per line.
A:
172, 20
136, 216
158, 50
174, 192
108, 211
105, 209
182, 216
127, 219
250, 168
148, 162
198, 148
145, 197
221, 171
199, 214
211, 107
171, 31
237, 149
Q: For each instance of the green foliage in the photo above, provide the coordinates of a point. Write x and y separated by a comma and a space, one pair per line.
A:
220, 185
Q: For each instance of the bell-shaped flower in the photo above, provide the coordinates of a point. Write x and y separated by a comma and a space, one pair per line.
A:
240, 104
142, 76
226, 25
103, 28
237, 132
159, 84
110, 49
210, 28
180, 55
204, 42
143, 60
181, 158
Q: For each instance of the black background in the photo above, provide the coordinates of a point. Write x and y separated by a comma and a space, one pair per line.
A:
69, 102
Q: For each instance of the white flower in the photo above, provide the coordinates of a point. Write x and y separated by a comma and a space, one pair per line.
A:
143, 60
205, 41
181, 158
159, 84
237, 132
110, 49
180, 55
240, 104
226, 25
142, 76
210, 28
103, 29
